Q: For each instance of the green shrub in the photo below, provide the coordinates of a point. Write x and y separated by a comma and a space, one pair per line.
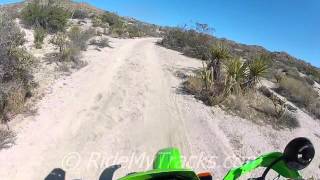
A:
111, 18
80, 37
102, 42
50, 17
188, 41
15, 62
15, 67
134, 31
70, 46
70, 54
39, 35
97, 22
11, 35
80, 14
119, 30
60, 40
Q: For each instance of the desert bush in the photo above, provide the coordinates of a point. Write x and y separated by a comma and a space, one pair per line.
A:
7, 138
79, 38
292, 72
105, 31
70, 54
111, 18
70, 46
238, 105
296, 91
219, 82
314, 108
278, 75
309, 80
102, 42
49, 16
11, 36
39, 35
288, 120
119, 30
60, 40
80, 14
134, 31
97, 22
188, 41
15, 67
259, 109
194, 85
15, 62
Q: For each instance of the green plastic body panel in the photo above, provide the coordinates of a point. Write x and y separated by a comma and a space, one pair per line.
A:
167, 163
169, 158
162, 174
263, 161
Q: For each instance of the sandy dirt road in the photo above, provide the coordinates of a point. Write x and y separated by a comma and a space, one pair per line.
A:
125, 106
125, 103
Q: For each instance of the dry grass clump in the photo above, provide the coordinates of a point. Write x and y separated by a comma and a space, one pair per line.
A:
194, 85
314, 108
260, 109
101, 42
7, 138
297, 91
301, 93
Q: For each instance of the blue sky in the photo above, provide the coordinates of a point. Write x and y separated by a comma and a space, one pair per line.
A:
278, 25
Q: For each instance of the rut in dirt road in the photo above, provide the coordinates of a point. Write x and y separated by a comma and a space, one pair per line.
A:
124, 103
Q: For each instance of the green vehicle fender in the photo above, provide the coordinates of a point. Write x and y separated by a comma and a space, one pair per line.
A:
264, 161
167, 163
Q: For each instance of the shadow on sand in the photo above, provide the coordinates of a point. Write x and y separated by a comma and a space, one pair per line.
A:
60, 174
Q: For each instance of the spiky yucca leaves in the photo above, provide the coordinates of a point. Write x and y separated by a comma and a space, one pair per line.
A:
236, 72
257, 68
207, 77
218, 53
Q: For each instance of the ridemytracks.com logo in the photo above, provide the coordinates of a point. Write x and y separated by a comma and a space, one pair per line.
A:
97, 160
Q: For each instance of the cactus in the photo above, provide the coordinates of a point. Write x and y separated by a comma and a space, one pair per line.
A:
207, 77
279, 106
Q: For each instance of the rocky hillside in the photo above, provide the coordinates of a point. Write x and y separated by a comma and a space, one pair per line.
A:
282, 59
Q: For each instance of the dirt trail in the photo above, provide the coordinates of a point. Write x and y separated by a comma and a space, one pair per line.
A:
125, 106
125, 103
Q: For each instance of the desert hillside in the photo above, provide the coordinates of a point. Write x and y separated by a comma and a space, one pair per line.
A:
83, 90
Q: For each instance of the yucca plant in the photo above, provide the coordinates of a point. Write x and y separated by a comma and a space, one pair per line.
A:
236, 72
218, 53
207, 77
257, 68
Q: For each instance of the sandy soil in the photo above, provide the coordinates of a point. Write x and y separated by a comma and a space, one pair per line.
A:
125, 106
